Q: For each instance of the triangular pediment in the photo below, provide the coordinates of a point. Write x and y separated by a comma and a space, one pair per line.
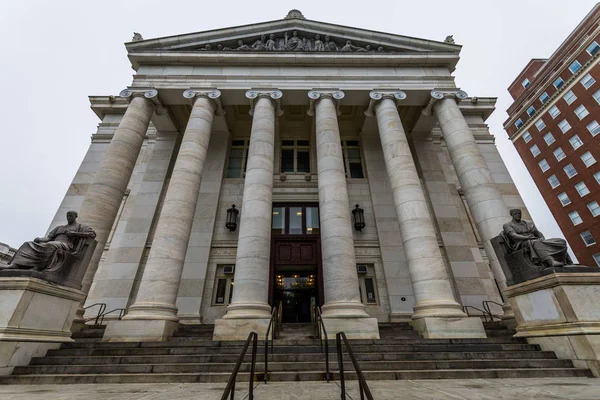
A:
290, 35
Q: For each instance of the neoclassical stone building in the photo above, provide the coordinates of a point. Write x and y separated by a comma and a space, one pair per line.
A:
295, 122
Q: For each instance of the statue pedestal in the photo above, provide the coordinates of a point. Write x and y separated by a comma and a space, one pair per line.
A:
560, 312
35, 316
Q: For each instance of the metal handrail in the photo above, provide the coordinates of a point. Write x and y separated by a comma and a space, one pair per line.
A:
273, 325
321, 333
486, 306
362, 383
120, 310
230, 388
484, 313
100, 311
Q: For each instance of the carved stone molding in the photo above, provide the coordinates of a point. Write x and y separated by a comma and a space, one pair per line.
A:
148, 93
212, 94
274, 95
439, 94
378, 95
316, 95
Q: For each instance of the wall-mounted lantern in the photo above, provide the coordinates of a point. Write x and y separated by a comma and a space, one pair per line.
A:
232, 214
359, 218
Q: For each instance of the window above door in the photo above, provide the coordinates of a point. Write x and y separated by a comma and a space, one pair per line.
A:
295, 220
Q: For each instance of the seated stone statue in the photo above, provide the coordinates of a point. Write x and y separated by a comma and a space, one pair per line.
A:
524, 235
48, 253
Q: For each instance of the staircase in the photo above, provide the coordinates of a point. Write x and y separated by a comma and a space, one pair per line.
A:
192, 356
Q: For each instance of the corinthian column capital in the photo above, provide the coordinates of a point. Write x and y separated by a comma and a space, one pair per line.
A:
274, 95
440, 94
214, 95
378, 95
316, 95
148, 93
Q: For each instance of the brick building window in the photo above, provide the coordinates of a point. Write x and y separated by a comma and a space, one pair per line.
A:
581, 112
549, 139
596, 96
588, 239
582, 189
587, 81
575, 218
588, 159
553, 181
519, 123
570, 97
544, 165
559, 153
594, 128
593, 48
575, 142
544, 97
594, 208
525, 83
575, 66
531, 110
564, 126
558, 83
539, 124
597, 177
535, 150
597, 258
526, 137
570, 170
564, 199
554, 112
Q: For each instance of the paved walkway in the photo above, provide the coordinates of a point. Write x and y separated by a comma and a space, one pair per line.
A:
470, 389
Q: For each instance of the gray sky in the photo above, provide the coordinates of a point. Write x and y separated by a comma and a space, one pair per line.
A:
56, 53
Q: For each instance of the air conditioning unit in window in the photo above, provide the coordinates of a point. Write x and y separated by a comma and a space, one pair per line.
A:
362, 268
228, 269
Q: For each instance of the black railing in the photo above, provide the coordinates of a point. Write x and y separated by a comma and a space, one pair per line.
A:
362, 383
100, 311
101, 316
230, 388
321, 333
273, 330
486, 307
483, 313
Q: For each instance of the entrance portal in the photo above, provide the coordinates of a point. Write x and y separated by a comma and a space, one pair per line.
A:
296, 293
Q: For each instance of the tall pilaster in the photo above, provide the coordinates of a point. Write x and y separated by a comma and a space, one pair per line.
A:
249, 309
153, 316
437, 314
342, 309
483, 197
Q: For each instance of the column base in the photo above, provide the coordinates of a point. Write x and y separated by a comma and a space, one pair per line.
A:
139, 330
240, 328
449, 328
354, 328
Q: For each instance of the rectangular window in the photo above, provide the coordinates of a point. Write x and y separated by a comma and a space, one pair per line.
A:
594, 208
295, 156
553, 181
588, 159
559, 153
575, 142
549, 139
367, 285
295, 220
539, 124
525, 83
597, 177
554, 112
312, 220
531, 110
544, 165
594, 128
564, 126
581, 112
352, 159
588, 239
582, 189
587, 81
597, 259
526, 137
575, 66
535, 150
570, 170
570, 97
238, 158
596, 96
564, 199
519, 123
575, 218
544, 97
593, 48
558, 83
278, 221
223, 289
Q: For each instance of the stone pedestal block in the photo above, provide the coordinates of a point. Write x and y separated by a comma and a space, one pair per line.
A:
449, 328
239, 328
34, 316
354, 328
560, 313
141, 330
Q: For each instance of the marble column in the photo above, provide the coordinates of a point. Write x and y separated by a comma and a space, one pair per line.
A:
153, 315
105, 193
249, 309
436, 312
342, 308
483, 197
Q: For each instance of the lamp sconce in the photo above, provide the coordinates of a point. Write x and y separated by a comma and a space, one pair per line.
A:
359, 218
232, 214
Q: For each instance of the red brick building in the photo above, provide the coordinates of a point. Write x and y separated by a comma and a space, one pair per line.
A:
554, 123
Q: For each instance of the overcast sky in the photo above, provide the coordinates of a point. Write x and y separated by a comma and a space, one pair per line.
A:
56, 53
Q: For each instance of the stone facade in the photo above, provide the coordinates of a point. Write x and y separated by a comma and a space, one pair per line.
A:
432, 185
